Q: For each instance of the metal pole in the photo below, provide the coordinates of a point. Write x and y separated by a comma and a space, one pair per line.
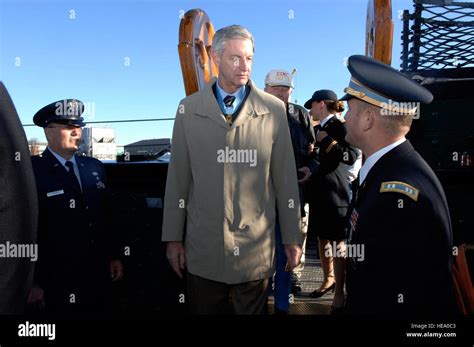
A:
405, 37
416, 36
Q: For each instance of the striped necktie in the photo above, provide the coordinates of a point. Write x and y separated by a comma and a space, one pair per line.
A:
229, 100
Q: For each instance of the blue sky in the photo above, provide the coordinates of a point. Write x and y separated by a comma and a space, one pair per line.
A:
45, 55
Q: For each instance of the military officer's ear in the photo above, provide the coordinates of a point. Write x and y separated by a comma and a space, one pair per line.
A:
47, 132
368, 115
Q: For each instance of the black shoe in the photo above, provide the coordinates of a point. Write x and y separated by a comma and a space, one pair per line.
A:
320, 293
295, 288
295, 284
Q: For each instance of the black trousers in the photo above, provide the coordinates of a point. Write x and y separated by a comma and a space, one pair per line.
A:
211, 297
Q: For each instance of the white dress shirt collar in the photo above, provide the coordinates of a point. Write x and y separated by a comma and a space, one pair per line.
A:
370, 161
325, 120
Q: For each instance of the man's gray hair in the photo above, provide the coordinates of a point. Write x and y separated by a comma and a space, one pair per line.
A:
228, 33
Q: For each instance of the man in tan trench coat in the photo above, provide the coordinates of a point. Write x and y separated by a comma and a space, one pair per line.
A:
232, 168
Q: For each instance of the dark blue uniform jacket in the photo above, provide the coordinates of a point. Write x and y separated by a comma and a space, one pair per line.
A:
73, 232
401, 219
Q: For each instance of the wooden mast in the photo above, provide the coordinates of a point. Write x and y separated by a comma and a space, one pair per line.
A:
379, 30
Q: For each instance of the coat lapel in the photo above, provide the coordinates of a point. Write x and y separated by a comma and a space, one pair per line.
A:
328, 123
82, 173
253, 107
59, 171
209, 107
401, 150
54, 165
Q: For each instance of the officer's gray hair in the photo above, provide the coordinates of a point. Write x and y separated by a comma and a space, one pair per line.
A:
228, 33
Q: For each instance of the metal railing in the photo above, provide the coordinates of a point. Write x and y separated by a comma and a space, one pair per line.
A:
441, 35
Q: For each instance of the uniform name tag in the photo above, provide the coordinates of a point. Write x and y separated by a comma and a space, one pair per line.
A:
57, 192
400, 187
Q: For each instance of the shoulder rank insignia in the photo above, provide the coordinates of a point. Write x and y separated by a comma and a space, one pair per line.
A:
331, 145
400, 187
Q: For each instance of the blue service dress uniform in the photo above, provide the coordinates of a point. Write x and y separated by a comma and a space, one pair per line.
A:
401, 217
74, 246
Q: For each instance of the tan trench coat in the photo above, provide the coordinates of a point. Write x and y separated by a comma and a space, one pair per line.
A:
228, 202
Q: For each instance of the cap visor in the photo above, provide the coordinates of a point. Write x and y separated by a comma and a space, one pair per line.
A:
76, 123
347, 97
279, 85
308, 104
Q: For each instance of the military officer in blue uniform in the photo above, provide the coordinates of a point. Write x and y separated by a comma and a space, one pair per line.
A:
401, 237
77, 255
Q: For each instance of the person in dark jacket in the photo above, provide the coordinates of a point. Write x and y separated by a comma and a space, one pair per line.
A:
18, 211
280, 84
77, 256
400, 224
330, 192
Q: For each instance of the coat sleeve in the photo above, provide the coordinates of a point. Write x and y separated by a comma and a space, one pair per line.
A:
311, 162
283, 173
308, 125
40, 270
334, 149
178, 182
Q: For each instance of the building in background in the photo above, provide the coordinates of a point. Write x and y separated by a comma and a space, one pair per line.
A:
148, 149
120, 149
36, 147
98, 142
